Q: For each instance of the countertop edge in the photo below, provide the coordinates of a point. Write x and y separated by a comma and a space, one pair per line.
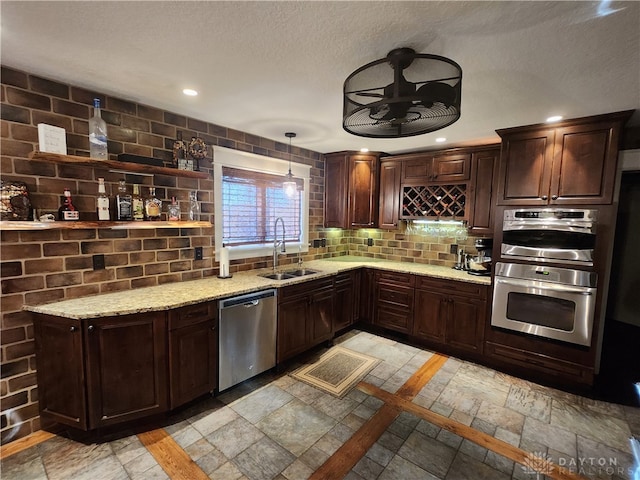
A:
175, 295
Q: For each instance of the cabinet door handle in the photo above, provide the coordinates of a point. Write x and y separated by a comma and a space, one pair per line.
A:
73, 329
554, 197
544, 197
90, 328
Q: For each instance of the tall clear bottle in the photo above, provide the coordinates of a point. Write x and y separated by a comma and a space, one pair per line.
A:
102, 202
194, 207
97, 133
137, 205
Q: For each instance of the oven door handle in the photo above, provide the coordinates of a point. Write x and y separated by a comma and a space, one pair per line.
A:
527, 284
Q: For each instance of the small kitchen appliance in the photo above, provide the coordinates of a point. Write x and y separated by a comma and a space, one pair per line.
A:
481, 264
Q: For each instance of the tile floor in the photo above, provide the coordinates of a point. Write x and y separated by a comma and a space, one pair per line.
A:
275, 427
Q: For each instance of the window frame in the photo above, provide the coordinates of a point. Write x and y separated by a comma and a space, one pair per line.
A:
227, 157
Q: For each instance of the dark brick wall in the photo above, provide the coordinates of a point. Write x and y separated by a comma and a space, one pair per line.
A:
45, 266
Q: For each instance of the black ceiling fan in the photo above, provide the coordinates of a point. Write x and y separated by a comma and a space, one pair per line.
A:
375, 108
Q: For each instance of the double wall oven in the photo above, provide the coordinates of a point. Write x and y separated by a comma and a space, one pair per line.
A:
531, 296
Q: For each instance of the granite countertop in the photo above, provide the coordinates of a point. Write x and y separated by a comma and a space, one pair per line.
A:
174, 295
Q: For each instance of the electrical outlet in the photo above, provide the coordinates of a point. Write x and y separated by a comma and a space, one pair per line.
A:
98, 262
370, 242
197, 253
317, 243
323, 242
453, 248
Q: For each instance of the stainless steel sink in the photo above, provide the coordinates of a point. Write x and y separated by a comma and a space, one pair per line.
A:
278, 276
302, 272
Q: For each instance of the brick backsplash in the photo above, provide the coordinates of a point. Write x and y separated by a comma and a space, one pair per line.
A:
51, 265
45, 266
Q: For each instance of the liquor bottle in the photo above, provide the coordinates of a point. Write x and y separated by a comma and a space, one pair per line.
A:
97, 133
173, 211
123, 203
194, 208
152, 206
137, 206
67, 211
102, 202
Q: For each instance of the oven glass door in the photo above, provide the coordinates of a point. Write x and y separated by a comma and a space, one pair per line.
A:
546, 309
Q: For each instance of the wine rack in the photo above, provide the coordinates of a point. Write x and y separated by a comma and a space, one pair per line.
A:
434, 201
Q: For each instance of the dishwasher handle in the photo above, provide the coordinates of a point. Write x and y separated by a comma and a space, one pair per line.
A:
249, 300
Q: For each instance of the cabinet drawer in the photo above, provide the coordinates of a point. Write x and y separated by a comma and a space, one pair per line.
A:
185, 316
537, 362
453, 287
395, 297
397, 278
304, 288
343, 279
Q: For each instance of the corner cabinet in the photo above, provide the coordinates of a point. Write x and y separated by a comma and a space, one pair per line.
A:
570, 163
351, 190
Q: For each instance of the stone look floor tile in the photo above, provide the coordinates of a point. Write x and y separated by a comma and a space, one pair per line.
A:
234, 437
296, 426
530, 403
257, 405
367, 468
400, 468
208, 424
298, 470
607, 429
464, 467
550, 435
427, 453
505, 417
265, 459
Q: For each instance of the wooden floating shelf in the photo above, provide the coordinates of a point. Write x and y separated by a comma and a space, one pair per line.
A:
11, 225
134, 168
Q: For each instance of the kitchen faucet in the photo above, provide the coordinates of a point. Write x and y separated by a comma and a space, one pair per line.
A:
276, 243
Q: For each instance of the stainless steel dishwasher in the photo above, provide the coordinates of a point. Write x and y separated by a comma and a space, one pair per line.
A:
247, 337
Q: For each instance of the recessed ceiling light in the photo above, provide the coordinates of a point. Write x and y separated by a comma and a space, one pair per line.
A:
554, 118
364, 150
441, 140
190, 92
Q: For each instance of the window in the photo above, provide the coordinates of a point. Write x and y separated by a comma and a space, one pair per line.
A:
249, 197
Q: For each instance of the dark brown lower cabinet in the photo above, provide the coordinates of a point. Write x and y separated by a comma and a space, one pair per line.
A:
61, 378
393, 305
193, 352
347, 299
305, 316
450, 313
98, 372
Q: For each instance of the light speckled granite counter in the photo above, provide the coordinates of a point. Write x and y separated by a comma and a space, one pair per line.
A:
174, 295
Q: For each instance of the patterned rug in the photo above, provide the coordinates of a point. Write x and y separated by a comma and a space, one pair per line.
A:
337, 371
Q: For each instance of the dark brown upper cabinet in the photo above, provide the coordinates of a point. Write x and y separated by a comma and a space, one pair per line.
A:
484, 164
351, 190
573, 162
435, 167
390, 172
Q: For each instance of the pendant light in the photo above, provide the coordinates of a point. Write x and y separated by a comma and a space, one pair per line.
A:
290, 186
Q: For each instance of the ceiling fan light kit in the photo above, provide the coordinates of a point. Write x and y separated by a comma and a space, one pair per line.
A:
402, 95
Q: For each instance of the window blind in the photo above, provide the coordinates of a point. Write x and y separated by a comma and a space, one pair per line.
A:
251, 203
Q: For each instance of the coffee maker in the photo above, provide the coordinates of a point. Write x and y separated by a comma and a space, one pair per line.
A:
481, 264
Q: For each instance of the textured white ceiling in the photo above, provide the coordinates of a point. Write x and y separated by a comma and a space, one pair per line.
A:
270, 67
